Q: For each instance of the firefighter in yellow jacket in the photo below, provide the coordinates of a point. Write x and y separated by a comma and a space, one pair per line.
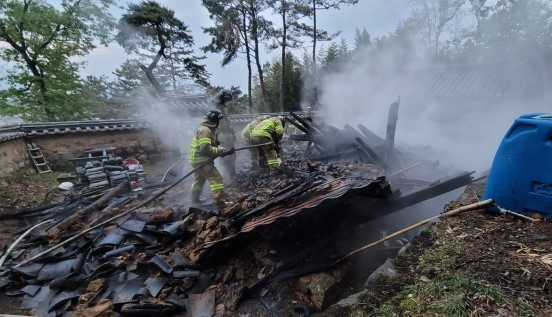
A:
246, 138
205, 148
269, 130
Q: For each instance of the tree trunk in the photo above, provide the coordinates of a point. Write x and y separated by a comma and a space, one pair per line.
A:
314, 99
314, 32
44, 93
266, 103
173, 77
38, 78
149, 72
248, 57
283, 72
254, 30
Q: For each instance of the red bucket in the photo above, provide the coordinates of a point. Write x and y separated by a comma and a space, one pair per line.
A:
130, 163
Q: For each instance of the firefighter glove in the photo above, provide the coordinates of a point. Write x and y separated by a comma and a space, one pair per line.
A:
226, 152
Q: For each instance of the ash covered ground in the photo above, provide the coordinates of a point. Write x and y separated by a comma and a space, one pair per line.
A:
163, 255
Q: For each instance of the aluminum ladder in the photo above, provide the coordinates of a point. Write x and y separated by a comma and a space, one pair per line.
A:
38, 159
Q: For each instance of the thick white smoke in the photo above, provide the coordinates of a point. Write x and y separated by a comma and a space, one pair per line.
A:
172, 124
460, 134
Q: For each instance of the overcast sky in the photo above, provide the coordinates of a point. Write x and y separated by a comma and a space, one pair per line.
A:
379, 17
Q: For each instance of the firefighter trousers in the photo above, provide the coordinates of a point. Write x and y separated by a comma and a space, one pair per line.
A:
208, 172
253, 160
266, 153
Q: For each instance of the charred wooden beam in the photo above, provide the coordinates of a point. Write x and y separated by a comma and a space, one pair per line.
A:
77, 217
16, 213
372, 153
352, 133
372, 138
312, 139
309, 146
367, 209
297, 125
329, 128
406, 169
392, 118
302, 137
306, 124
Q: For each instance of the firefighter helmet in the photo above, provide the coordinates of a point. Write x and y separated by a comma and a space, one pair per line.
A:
223, 96
283, 120
214, 115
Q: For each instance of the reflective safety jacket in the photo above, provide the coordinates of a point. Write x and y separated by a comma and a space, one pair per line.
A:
270, 128
246, 132
204, 144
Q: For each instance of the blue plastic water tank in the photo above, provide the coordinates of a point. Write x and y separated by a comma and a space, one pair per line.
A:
520, 179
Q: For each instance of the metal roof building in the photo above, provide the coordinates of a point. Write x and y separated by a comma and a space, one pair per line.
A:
478, 81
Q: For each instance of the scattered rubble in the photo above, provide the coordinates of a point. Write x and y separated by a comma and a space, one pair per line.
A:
132, 252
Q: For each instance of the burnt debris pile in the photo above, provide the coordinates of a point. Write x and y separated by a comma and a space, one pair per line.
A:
138, 253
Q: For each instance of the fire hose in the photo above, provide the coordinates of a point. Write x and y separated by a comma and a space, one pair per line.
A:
157, 195
238, 149
165, 175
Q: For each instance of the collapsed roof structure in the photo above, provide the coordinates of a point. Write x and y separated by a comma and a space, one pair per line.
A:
143, 253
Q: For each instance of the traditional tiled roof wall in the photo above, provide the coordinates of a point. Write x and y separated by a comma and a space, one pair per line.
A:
49, 128
193, 105
9, 135
66, 127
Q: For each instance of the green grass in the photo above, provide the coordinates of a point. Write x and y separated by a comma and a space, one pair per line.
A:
523, 308
45, 177
441, 256
447, 295
446, 291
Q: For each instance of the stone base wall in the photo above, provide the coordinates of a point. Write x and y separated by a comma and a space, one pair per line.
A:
59, 149
14, 157
142, 145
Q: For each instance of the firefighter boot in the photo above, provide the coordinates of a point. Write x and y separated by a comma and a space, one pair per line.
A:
195, 196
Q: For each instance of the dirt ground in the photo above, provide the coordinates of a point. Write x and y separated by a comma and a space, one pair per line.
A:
20, 191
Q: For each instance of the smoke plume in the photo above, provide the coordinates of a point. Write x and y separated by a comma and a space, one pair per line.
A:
461, 131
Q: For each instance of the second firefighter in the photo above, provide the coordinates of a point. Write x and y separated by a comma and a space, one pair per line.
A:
204, 149
269, 131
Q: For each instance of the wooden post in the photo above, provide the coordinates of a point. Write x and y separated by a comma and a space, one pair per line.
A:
478, 205
391, 127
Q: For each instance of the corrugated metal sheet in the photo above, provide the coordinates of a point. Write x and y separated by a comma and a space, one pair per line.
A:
330, 193
334, 191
